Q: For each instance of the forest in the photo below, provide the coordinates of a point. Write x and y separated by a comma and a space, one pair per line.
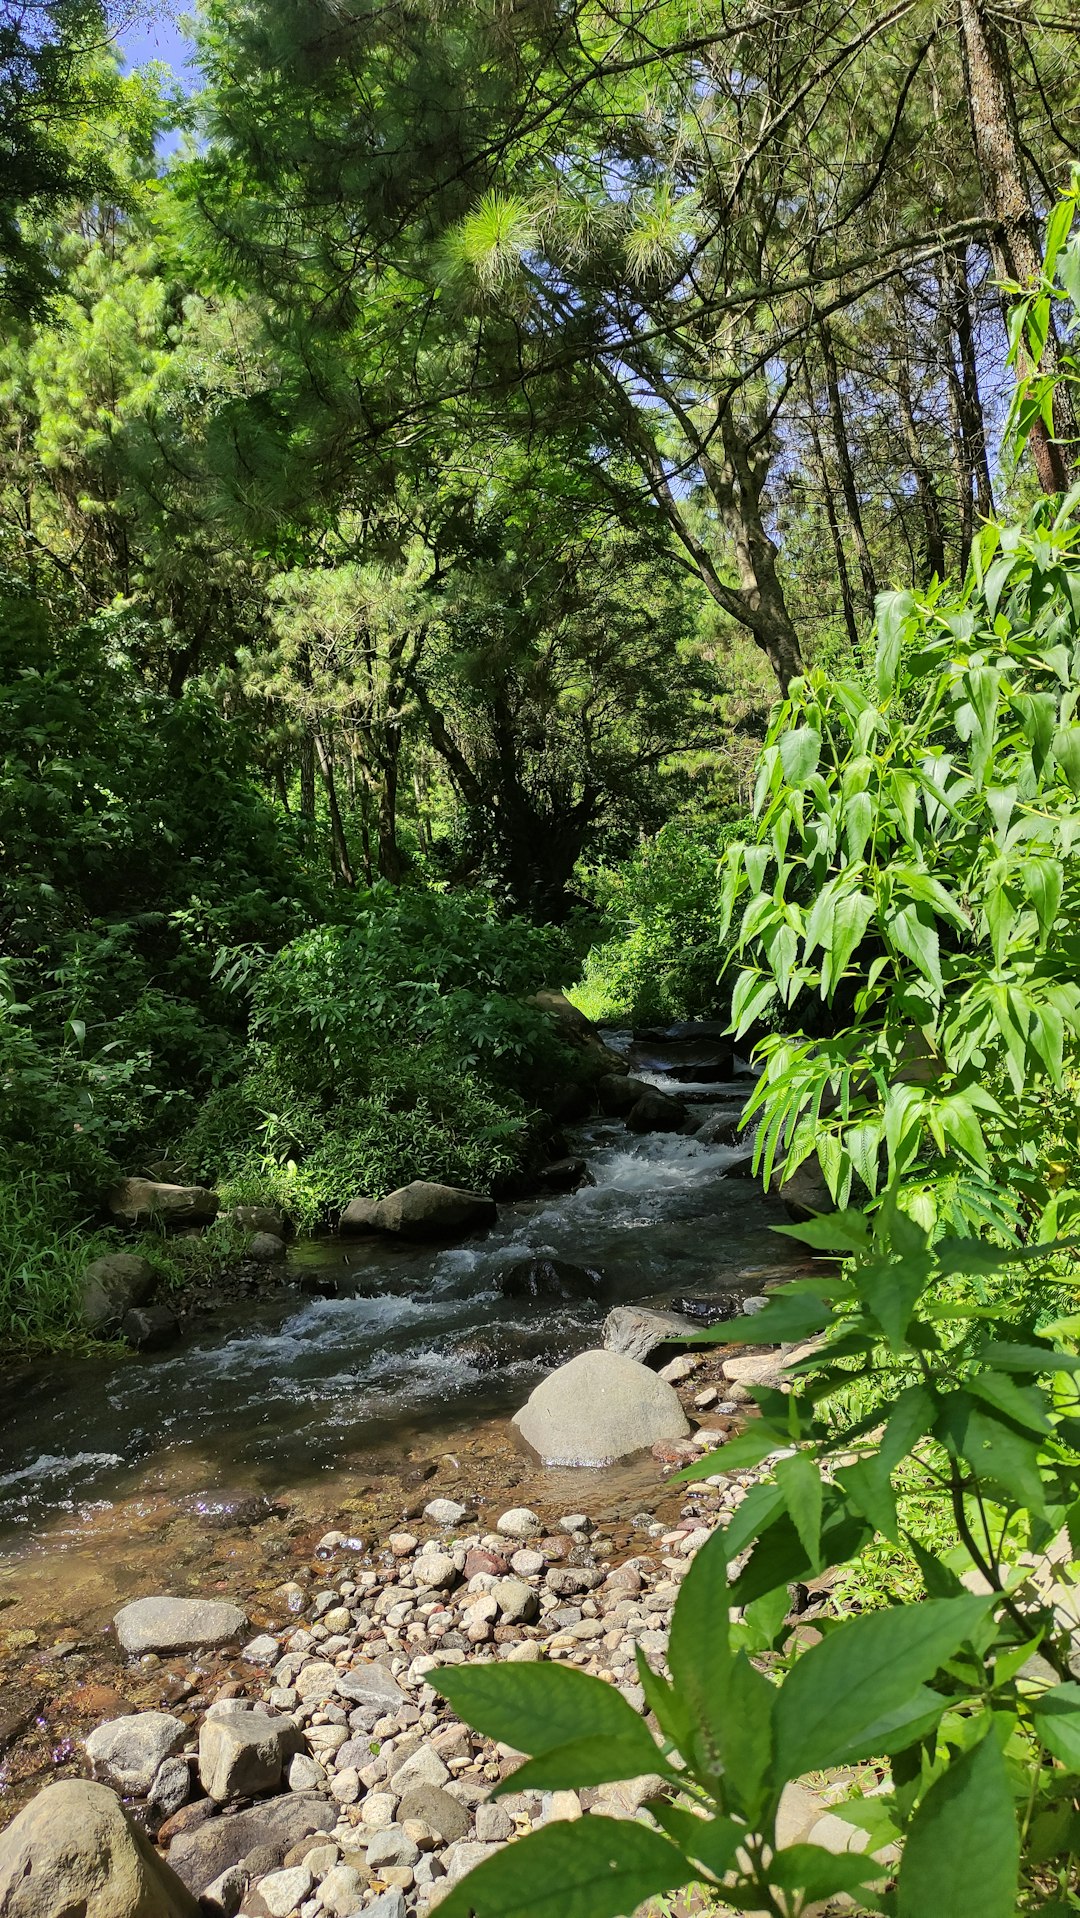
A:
503, 499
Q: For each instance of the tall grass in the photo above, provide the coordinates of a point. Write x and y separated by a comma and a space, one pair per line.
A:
42, 1254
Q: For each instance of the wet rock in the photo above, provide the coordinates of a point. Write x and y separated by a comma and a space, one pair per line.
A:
715, 1311
152, 1202
741, 1167
127, 1752
637, 1332
200, 1856
73, 1853
518, 1523
441, 1813
17, 1711
445, 1511
177, 1624
656, 1112
243, 1754
617, 1095
266, 1248
263, 1218
599, 1407
149, 1328
723, 1128
806, 1192
565, 1175
549, 1279
109, 1287
422, 1210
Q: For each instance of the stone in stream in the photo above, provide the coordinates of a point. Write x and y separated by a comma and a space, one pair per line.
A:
724, 1128
422, 1210
600, 1407
74, 1853
549, 1279
565, 1175
266, 1248
243, 1753
726, 1305
109, 1287
617, 1095
656, 1112
637, 1331
177, 1624
126, 1752
152, 1202
149, 1328
263, 1218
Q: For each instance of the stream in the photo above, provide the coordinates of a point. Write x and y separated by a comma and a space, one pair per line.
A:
418, 1357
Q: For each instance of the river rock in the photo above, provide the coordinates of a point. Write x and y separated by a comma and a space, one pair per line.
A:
149, 1328
177, 1624
198, 1857
243, 1754
266, 1248
171, 1788
617, 1094
519, 1522
656, 1112
435, 1807
421, 1210
73, 1853
370, 1685
126, 1752
806, 1192
549, 1279
637, 1331
600, 1407
516, 1600
109, 1287
152, 1202
445, 1512
263, 1218
723, 1128
565, 1175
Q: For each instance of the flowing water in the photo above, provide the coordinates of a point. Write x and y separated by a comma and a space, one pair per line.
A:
418, 1347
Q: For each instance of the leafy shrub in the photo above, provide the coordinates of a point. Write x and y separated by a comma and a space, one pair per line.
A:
663, 951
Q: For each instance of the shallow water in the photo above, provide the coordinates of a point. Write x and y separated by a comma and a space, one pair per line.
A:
114, 1466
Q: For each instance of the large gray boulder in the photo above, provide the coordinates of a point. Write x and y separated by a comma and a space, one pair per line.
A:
243, 1753
600, 1407
111, 1286
177, 1624
272, 1828
126, 1752
153, 1202
73, 1853
421, 1210
636, 1331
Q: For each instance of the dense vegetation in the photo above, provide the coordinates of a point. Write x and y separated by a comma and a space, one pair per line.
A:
414, 494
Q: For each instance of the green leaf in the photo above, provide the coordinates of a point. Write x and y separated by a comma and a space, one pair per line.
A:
894, 610
799, 1478
589, 1761
1057, 1722
913, 932
962, 1853
800, 751
866, 1670
594, 1868
1006, 1357
868, 1485
891, 1289
711, 1842
1042, 881
699, 1646
845, 1231
996, 1452
818, 1873
534, 1708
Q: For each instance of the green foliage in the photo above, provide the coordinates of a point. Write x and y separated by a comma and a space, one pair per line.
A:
664, 954
43, 1249
913, 868
982, 1412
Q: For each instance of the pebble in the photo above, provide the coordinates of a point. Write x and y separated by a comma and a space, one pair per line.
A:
445, 1511
518, 1523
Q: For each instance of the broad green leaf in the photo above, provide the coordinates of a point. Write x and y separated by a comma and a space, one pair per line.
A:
894, 610
1007, 1357
861, 1673
997, 1453
913, 932
868, 1485
711, 1842
799, 1478
699, 1646
594, 1868
1025, 1405
818, 1873
891, 1289
799, 754
845, 1231
589, 1761
534, 1708
1057, 1722
962, 1853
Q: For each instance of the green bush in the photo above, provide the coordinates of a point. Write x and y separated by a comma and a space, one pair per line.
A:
663, 949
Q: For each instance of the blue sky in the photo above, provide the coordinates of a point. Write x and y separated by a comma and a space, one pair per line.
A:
151, 32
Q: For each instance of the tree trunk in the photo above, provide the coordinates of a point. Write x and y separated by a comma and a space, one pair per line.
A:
390, 862
340, 863
1014, 234
280, 785
307, 777
974, 422
838, 426
926, 488
832, 517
